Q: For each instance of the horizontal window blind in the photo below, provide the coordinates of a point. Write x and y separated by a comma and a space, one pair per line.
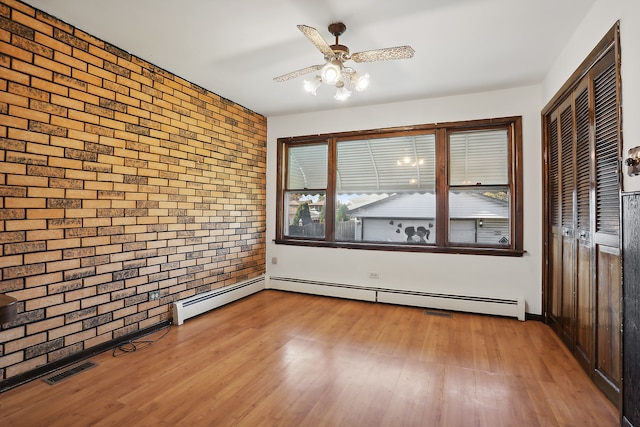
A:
479, 157
401, 164
307, 166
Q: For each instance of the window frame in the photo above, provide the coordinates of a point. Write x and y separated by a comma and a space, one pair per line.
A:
442, 132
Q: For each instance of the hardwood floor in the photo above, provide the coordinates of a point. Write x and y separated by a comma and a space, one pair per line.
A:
284, 359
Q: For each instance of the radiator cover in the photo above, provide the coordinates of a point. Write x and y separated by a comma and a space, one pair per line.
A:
510, 307
201, 303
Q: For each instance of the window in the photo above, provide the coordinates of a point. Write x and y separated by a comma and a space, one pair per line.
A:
479, 187
435, 188
306, 190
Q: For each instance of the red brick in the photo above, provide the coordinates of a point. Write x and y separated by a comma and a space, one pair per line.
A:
45, 150
70, 61
63, 243
30, 181
53, 43
54, 66
31, 22
48, 235
68, 307
14, 122
45, 213
100, 91
48, 86
86, 77
28, 136
67, 123
45, 325
69, 329
67, 102
32, 70
83, 96
42, 279
89, 59
80, 336
16, 52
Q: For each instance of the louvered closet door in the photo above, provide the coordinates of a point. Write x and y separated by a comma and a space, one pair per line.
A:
584, 294
554, 219
567, 222
583, 223
607, 227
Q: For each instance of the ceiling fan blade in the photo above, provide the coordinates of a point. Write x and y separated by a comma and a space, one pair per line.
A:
315, 37
386, 54
297, 73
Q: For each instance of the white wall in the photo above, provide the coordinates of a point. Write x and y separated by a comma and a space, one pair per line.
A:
598, 21
488, 276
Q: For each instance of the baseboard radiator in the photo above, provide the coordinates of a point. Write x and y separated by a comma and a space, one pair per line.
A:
510, 307
201, 303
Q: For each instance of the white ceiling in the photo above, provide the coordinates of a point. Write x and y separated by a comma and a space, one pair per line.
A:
236, 47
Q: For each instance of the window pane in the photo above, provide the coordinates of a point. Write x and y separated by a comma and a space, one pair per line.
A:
386, 190
387, 218
479, 157
480, 216
307, 167
386, 165
304, 214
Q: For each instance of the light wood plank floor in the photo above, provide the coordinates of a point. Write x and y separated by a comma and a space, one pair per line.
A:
284, 359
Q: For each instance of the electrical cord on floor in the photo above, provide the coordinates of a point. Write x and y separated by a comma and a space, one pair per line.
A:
126, 347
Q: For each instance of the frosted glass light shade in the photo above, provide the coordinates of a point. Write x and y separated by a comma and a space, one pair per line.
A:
331, 72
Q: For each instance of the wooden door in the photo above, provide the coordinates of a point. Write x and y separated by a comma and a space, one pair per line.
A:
584, 295
567, 222
554, 294
582, 192
608, 369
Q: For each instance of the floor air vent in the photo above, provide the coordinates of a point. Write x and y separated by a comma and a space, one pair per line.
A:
61, 376
438, 313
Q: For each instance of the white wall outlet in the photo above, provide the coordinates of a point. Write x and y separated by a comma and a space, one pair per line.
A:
374, 275
274, 260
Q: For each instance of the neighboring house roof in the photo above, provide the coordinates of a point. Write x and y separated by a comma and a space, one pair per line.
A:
423, 205
355, 201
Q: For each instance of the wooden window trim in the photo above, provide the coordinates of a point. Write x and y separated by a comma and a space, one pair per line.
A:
441, 131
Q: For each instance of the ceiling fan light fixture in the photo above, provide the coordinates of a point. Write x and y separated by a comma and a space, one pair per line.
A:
360, 82
331, 72
312, 85
342, 93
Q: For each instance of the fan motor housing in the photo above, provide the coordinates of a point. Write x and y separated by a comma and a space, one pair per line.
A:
340, 49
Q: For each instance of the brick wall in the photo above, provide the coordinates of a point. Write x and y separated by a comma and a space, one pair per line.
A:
117, 178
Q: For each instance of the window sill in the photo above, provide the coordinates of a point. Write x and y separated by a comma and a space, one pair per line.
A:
465, 250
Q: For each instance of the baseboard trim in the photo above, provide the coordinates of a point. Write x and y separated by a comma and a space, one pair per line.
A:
463, 303
537, 317
44, 370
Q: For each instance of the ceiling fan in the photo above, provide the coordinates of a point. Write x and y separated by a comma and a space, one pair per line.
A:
333, 71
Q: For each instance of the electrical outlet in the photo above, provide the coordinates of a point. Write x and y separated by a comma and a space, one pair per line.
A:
373, 275
154, 295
